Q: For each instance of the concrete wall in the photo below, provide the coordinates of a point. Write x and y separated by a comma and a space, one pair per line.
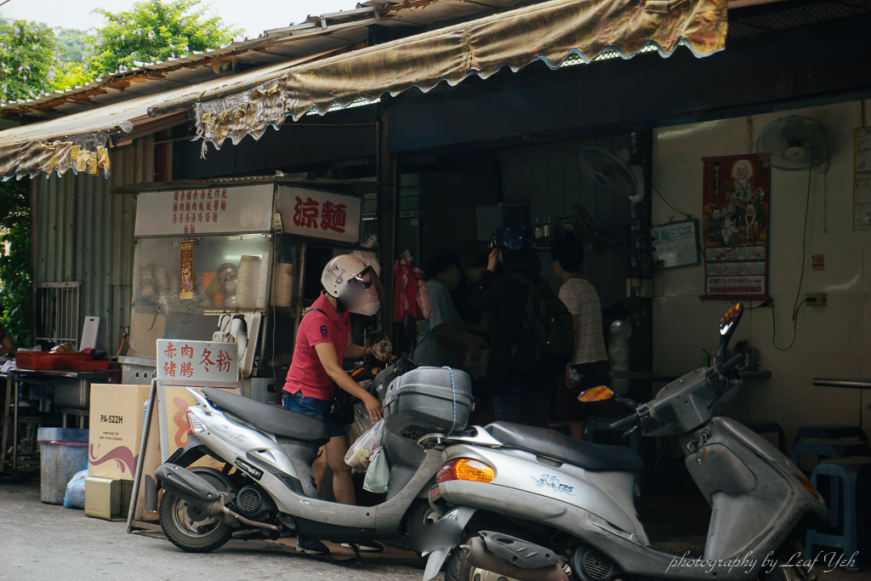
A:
833, 341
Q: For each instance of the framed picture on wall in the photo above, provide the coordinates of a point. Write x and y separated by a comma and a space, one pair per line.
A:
736, 219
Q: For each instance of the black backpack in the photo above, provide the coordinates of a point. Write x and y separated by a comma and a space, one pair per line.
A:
547, 332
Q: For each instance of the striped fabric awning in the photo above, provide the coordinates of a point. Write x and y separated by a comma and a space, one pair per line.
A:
249, 103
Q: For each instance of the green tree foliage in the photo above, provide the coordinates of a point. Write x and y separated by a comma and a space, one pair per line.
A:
154, 30
27, 53
72, 44
15, 281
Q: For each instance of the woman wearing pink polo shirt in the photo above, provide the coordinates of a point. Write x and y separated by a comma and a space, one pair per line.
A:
323, 340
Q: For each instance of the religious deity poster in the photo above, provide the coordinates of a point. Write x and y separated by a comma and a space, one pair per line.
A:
736, 201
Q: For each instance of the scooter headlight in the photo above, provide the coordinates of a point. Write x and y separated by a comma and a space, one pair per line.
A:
196, 426
466, 469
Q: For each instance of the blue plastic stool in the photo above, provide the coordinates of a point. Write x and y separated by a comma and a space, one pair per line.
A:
853, 473
829, 433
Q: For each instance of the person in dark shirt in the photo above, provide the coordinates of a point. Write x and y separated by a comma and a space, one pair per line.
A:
517, 395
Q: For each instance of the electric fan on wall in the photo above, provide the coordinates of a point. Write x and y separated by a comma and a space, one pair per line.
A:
611, 174
794, 143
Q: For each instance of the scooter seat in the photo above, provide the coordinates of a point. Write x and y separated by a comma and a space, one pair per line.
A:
545, 442
277, 421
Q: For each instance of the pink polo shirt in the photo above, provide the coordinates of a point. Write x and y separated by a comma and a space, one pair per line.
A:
306, 371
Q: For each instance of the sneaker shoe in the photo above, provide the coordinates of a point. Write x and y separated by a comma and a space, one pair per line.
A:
364, 546
311, 546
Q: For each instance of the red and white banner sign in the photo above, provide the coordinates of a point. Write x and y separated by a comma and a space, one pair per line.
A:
179, 360
205, 211
318, 214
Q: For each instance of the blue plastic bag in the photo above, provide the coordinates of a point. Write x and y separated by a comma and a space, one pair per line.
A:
75, 496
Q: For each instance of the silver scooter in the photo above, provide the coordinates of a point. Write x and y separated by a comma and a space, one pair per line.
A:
532, 504
266, 489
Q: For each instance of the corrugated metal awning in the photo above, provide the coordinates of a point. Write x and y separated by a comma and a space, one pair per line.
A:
550, 32
80, 142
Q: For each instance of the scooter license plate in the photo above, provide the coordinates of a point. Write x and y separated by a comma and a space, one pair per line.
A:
434, 492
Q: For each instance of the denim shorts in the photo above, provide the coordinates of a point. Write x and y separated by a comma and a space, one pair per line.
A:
314, 407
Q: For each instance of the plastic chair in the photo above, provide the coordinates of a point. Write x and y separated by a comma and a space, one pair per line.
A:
854, 539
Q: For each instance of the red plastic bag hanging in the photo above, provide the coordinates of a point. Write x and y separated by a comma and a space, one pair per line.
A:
409, 293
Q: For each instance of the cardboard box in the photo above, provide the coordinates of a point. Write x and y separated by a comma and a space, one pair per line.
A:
115, 430
106, 498
177, 430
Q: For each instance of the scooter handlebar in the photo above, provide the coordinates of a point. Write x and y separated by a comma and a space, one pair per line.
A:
625, 422
732, 363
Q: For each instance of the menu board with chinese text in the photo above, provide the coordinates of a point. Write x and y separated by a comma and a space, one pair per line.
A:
205, 211
196, 361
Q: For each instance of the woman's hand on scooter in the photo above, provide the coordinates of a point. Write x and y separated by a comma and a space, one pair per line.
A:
374, 409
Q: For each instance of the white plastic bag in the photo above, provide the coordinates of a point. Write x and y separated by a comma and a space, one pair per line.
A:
378, 474
75, 496
360, 453
362, 422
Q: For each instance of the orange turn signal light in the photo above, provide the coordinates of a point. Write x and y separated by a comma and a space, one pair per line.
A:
466, 469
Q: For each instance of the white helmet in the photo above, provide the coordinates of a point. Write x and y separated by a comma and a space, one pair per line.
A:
350, 280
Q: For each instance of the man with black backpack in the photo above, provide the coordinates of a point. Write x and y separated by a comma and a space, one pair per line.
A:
532, 331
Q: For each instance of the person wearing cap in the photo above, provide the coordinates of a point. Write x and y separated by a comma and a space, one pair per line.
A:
323, 341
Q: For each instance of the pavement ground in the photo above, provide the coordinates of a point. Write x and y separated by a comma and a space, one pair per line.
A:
48, 542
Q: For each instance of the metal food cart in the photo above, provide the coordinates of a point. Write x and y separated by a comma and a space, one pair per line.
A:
227, 260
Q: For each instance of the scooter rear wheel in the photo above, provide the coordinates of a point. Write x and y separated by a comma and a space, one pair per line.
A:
185, 525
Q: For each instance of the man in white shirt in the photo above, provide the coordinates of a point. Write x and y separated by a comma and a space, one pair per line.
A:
581, 299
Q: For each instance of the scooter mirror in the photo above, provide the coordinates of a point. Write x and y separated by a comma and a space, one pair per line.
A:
730, 319
594, 394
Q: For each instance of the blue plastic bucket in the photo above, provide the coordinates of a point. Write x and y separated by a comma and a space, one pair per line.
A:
62, 453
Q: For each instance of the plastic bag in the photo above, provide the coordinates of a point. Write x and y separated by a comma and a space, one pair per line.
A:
410, 294
360, 453
378, 474
75, 495
362, 422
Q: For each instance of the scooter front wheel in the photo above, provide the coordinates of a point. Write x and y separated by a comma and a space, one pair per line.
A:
187, 527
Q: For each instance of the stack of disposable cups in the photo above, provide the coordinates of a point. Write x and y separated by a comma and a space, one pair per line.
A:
262, 284
246, 281
283, 284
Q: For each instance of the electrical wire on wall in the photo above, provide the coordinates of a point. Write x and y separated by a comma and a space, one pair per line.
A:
796, 306
667, 203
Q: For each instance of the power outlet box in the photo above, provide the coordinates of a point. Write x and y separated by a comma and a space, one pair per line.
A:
816, 299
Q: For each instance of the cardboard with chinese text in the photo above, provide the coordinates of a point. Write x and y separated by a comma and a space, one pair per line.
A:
180, 362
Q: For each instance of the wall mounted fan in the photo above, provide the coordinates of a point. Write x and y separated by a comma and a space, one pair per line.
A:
794, 143
612, 174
